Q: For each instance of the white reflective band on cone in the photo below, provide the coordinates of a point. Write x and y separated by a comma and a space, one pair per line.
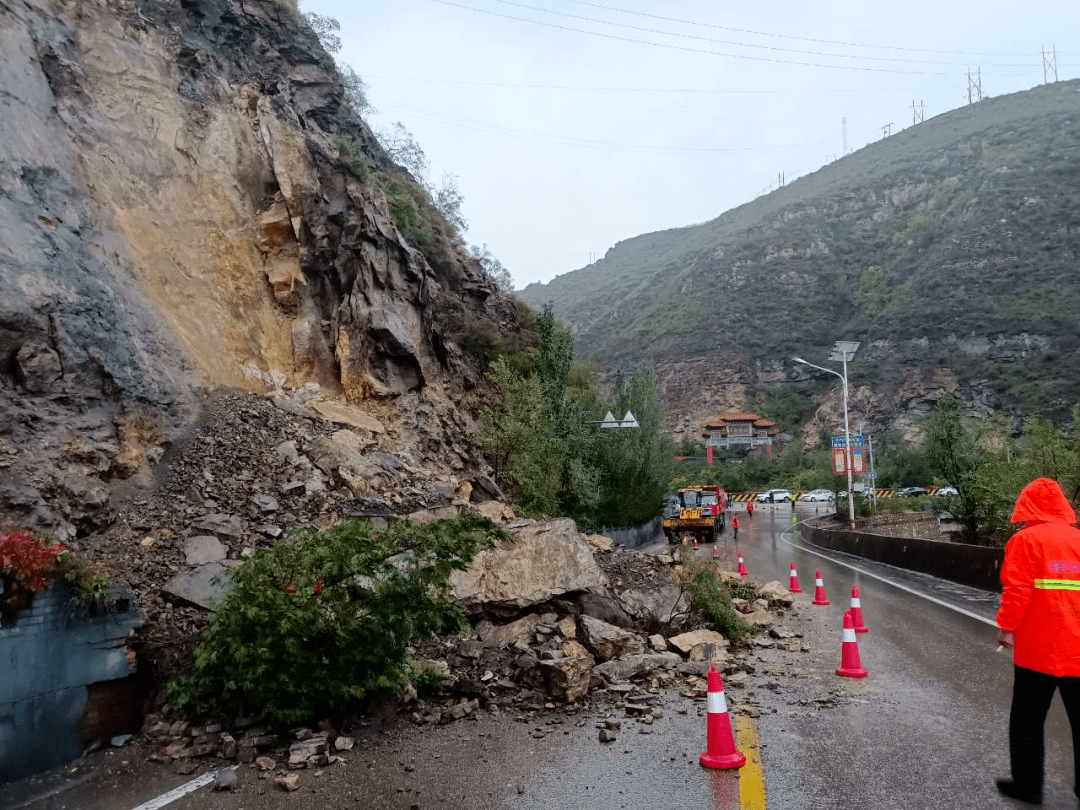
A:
856, 603
849, 634
794, 573
819, 583
717, 703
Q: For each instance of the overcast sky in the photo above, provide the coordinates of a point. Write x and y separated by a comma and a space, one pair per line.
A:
572, 125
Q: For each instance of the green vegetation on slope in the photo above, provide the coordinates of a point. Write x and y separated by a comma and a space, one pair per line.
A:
322, 620
966, 225
544, 443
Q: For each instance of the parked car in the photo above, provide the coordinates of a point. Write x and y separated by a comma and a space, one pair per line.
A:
818, 495
869, 494
774, 496
911, 492
947, 492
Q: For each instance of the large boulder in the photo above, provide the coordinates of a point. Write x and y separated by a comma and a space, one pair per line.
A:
604, 606
776, 593
567, 679
609, 641
506, 634
685, 642
541, 561
624, 669
657, 606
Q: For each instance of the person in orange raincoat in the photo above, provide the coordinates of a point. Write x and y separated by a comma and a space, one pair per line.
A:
750, 508
1040, 619
735, 526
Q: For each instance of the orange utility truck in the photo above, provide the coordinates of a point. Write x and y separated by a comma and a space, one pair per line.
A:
702, 513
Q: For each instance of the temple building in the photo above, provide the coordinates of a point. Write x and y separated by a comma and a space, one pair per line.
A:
740, 431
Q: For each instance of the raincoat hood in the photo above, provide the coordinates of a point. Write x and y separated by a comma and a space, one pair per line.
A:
1042, 500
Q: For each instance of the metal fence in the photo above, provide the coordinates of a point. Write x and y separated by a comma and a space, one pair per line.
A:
634, 536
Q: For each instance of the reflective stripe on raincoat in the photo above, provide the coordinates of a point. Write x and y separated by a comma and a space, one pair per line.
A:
1040, 582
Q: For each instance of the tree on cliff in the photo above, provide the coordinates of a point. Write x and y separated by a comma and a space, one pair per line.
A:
495, 269
544, 443
989, 467
325, 28
951, 445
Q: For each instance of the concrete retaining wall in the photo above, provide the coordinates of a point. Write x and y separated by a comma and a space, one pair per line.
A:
51, 656
634, 536
977, 566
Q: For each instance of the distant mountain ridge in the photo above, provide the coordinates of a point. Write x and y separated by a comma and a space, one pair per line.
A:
949, 249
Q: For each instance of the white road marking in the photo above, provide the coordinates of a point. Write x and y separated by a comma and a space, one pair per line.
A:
176, 793
864, 572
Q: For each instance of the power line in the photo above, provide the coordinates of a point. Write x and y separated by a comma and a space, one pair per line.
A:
730, 42
571, 140
788, 36
686, 49
584, 88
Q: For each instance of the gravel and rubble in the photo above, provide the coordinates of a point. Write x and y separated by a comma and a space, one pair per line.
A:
514, 675
257, 466
251, 469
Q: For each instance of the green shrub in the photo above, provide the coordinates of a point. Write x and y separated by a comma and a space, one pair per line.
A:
427, 680
736, 590
897, 505
352, 156
709, 595
322, 620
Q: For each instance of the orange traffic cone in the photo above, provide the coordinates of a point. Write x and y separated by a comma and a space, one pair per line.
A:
850, 665
721, 752
695, 544
793, 582
742, 565
856, 611
819, 590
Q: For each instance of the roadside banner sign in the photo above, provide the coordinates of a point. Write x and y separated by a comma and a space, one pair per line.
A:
839, 462
708, 453
856, 441
858, 461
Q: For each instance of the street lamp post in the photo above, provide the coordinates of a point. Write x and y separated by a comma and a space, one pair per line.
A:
843, 350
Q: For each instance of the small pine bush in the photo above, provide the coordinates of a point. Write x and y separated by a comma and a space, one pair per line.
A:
322, 620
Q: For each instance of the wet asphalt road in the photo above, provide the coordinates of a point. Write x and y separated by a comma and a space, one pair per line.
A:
926, 729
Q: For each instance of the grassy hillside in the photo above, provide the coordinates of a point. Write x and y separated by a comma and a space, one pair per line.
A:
953, 243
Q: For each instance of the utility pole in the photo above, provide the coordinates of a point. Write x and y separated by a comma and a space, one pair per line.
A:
916, 113
974, 86
886, 130
1049, 64
873, 475
843, 125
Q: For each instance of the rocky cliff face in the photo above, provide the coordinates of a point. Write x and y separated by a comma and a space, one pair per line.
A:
951, 245
176, 220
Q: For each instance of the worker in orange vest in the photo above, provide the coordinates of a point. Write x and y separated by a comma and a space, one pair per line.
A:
1039, 619
750, 508
735, 525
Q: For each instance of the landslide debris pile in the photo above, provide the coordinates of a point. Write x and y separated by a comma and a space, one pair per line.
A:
550, 656
252, 468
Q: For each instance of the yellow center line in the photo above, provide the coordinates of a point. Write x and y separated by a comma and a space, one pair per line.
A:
752, 774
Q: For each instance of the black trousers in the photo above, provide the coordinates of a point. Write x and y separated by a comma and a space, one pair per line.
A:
1032, 693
